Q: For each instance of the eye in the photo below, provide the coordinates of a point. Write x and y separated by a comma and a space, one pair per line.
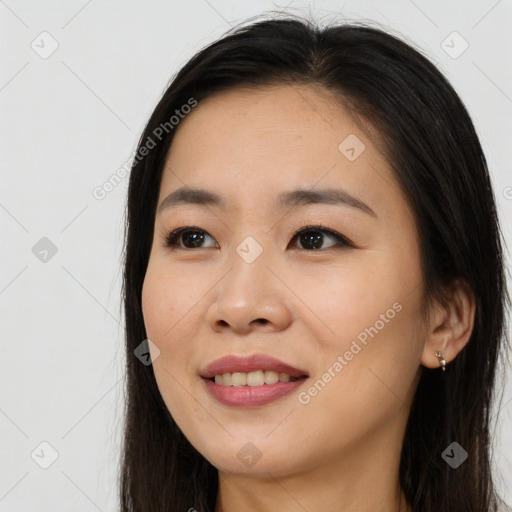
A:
192, 237
313, 237
310, 236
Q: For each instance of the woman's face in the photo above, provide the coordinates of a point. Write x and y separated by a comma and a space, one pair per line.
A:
242, 283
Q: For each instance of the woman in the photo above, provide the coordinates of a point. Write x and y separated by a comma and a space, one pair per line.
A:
314, 269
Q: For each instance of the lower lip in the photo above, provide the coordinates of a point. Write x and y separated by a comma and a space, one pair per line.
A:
251, 396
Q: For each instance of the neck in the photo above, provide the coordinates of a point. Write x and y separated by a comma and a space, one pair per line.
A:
366, 479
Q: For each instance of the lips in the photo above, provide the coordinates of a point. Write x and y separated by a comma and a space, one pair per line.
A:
258, 392
232, 364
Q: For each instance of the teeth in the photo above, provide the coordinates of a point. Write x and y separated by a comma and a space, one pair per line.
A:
237, 379
271, 377
256, 378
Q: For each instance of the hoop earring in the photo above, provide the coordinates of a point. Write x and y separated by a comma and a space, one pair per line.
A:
442, 360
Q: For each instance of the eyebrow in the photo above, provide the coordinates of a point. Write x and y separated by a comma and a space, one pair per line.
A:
289, 199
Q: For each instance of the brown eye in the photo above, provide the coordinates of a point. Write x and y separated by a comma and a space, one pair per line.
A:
312, 238
191, 237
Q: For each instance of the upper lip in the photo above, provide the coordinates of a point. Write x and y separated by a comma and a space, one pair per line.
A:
246, 364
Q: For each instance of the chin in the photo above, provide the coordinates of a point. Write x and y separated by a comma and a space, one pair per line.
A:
259, 458
263, 468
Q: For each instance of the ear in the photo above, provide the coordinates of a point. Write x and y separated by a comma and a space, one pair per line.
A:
450, 326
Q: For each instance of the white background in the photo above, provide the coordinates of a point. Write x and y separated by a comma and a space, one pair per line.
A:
68, 122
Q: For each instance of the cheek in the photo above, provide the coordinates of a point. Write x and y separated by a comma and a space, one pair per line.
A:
349, 299
170, 328
370, 315
166, 303
165, 320
366, 381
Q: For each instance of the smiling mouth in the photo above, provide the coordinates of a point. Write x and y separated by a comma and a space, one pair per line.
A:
254, 378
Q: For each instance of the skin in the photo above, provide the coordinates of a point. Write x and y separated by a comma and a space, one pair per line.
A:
340, 451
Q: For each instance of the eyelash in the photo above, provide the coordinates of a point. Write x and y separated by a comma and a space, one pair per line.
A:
172, 238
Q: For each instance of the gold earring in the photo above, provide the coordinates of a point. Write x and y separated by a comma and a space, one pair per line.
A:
442, 360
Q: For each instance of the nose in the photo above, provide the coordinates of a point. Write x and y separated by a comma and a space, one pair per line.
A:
251, 297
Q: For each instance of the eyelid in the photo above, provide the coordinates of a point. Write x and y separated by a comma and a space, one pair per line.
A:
171, 239
324, 229
174, 235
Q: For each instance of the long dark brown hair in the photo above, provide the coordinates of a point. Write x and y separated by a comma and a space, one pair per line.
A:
431, 144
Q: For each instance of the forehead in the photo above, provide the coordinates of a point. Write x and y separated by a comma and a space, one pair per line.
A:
273, 117
251, 143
